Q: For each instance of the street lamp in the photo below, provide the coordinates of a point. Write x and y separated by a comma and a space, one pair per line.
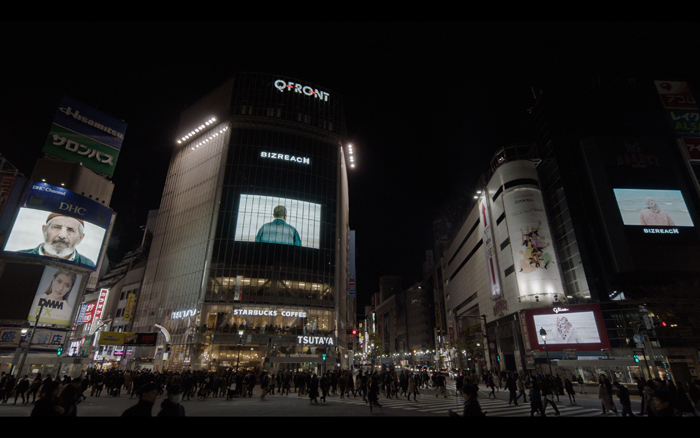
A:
543, 335
240, 345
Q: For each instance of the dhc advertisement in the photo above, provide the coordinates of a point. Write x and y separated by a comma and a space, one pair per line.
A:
55, 223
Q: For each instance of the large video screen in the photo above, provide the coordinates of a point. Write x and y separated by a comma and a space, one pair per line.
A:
55, 297
56, 223
270, 219
570, 328
643, 207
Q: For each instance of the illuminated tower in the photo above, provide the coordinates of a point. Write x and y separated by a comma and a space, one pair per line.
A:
249, 262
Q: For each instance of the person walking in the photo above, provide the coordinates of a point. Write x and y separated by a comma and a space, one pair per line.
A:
373, 392
313, 389
412, 387
547, 394
21, 388
491, 384
171, 406
147, 398
570, 391
624, 395
520, 383
34, 388
264, 385
512, 388
48, 405
70, 396
472, 408
604, 397
536, 400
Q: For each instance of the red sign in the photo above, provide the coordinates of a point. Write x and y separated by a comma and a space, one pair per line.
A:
101, 301
89, 312
693, 146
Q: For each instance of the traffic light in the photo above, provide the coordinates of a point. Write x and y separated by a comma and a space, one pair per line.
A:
354, 332
498, 357
59, 351
324, 357
636, 358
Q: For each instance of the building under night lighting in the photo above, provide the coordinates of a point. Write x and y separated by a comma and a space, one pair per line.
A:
249, 261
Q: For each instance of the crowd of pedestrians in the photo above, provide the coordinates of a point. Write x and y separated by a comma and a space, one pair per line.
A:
62, 397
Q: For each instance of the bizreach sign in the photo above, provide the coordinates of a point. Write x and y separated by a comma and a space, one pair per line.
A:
283, 86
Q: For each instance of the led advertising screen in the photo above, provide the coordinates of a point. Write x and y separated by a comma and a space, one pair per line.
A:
55, 223
269, 219
55, 297
665, 208
568, 327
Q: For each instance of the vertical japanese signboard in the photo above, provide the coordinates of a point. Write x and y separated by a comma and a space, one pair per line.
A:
684, 114
83, 134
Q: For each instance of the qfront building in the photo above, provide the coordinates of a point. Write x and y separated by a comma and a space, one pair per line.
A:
249, 262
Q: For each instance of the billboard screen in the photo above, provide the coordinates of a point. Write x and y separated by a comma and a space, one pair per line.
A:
55, 297
653, 207
532, 245
568, 327
270, 219
56, 223
83, 134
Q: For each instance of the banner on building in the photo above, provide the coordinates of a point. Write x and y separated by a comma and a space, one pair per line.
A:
683, 112
55, 297
534, 257
10, 337
127, 338
57, 224
83, 134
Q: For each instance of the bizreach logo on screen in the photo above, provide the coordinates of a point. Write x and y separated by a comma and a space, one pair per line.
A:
285, 157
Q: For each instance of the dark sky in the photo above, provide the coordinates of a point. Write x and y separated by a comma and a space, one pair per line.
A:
427, 104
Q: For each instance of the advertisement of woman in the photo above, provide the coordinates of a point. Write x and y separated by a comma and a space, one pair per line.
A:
57, 293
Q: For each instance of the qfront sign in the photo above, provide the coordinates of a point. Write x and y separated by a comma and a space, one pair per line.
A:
283, 86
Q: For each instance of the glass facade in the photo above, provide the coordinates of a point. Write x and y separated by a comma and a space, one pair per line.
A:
250, 248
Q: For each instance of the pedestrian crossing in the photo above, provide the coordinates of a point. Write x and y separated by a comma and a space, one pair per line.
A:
440, 406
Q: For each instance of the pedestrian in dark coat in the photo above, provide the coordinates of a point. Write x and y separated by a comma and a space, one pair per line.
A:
472, 408
70, 397
171, 406
147, 398
48, 405
624, 395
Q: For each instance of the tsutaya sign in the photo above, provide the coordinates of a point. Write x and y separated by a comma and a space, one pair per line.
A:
315, 340
283, 85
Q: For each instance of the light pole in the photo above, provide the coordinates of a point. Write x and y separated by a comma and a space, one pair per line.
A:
240, 345
25, 329
543, 335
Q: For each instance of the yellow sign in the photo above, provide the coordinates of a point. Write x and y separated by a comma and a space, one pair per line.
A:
128, 310
116, 338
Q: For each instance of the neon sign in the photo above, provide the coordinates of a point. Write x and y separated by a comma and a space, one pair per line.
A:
299, 88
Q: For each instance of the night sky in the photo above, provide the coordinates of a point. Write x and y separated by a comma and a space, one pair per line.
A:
426, 104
